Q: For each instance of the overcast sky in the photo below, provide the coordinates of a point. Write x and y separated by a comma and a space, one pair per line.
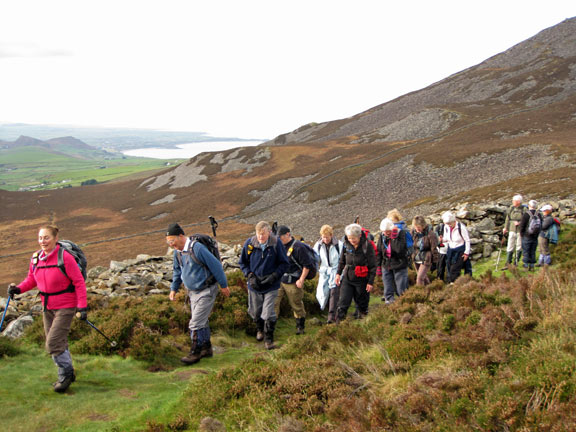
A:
241, 68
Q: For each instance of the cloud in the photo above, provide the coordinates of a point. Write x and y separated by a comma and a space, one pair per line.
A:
28, 50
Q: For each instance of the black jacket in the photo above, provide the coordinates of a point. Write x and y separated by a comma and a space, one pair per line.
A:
363, 255
399, 253
525, 221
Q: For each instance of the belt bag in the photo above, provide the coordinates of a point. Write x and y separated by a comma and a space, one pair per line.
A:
361, 271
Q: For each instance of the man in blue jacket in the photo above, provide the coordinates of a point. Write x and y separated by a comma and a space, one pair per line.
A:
263, 261
199, 270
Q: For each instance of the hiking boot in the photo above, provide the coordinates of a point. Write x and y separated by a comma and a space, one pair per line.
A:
63, 383
300, 323
193, 356
259, 329
206, 350
269, 327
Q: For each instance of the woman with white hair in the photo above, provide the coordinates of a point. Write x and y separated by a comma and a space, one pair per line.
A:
458, 240
356, 271
393, 257
529, 228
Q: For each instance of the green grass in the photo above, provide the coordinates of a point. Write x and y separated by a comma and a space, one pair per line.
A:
30, 166
110, 392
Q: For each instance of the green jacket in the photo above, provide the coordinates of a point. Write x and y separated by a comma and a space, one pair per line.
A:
514, 214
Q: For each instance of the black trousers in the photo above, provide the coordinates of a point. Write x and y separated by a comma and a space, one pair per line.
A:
353, 290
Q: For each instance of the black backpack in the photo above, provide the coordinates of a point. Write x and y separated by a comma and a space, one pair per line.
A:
74, 250
313, 256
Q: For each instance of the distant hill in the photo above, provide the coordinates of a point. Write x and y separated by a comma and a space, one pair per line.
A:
69, 146
503, 127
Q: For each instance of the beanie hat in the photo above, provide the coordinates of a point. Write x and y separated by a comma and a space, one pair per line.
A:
174, 230
283, 229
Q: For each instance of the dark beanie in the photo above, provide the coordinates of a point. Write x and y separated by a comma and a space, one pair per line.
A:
174, 230
283, 229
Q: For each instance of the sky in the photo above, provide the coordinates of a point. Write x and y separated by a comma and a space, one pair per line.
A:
246, 69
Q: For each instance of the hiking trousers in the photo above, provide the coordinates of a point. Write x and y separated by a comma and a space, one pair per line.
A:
422, 275
395, 283
261, 305
295, 297
514, 242
57, 323
353, 290
201, 304
529, 245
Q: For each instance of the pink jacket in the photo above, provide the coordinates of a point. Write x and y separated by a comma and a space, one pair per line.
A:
52, 280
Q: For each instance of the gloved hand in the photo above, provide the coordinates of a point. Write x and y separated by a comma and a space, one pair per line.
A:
269, 279
13, 290
82, 314
252, 280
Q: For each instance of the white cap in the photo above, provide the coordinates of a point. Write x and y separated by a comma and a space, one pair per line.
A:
547, 207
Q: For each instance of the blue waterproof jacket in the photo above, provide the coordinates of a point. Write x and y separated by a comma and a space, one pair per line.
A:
194, 275
263, 262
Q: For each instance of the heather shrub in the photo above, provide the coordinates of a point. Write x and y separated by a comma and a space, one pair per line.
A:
407, 345
8, 347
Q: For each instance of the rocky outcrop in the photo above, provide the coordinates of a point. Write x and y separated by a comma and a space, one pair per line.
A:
142, 276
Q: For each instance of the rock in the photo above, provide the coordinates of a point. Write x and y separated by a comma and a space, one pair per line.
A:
493, 239
16, 328
157, 291
95, 272
118, 266
566, 204
487, 250
486, 225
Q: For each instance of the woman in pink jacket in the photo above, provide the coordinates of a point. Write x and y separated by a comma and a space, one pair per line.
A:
63, 293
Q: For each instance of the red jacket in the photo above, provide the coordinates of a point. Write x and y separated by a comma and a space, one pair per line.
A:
52, 280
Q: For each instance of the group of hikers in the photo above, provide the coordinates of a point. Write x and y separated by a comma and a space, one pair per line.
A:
275, 265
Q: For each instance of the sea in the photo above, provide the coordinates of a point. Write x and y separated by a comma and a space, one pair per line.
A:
186, 151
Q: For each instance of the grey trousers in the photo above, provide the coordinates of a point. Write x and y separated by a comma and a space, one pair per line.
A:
262, 305
201, 304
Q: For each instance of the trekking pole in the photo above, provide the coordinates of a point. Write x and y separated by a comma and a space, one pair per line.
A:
112, 343
4, 314
499, 253
214, 224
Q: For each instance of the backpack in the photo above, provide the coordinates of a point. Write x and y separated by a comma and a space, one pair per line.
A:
553, 231
212, 246
74, 250
534, 224
312, 254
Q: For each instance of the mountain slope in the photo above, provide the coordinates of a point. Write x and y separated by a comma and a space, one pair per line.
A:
502, 127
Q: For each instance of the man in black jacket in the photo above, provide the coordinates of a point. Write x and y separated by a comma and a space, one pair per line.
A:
293, 280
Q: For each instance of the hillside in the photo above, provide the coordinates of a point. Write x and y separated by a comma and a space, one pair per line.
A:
502, 127
491, 353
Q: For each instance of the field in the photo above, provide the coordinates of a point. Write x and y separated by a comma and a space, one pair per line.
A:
36, 168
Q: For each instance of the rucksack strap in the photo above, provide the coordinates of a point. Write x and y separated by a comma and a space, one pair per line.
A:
46, 296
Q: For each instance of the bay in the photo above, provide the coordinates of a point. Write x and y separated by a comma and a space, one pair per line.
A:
189, 150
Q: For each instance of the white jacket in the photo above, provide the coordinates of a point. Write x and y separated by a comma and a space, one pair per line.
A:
457, 237
327, 273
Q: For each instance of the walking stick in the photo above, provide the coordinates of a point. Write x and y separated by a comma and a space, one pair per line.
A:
112, 343
214, 224
4, 314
